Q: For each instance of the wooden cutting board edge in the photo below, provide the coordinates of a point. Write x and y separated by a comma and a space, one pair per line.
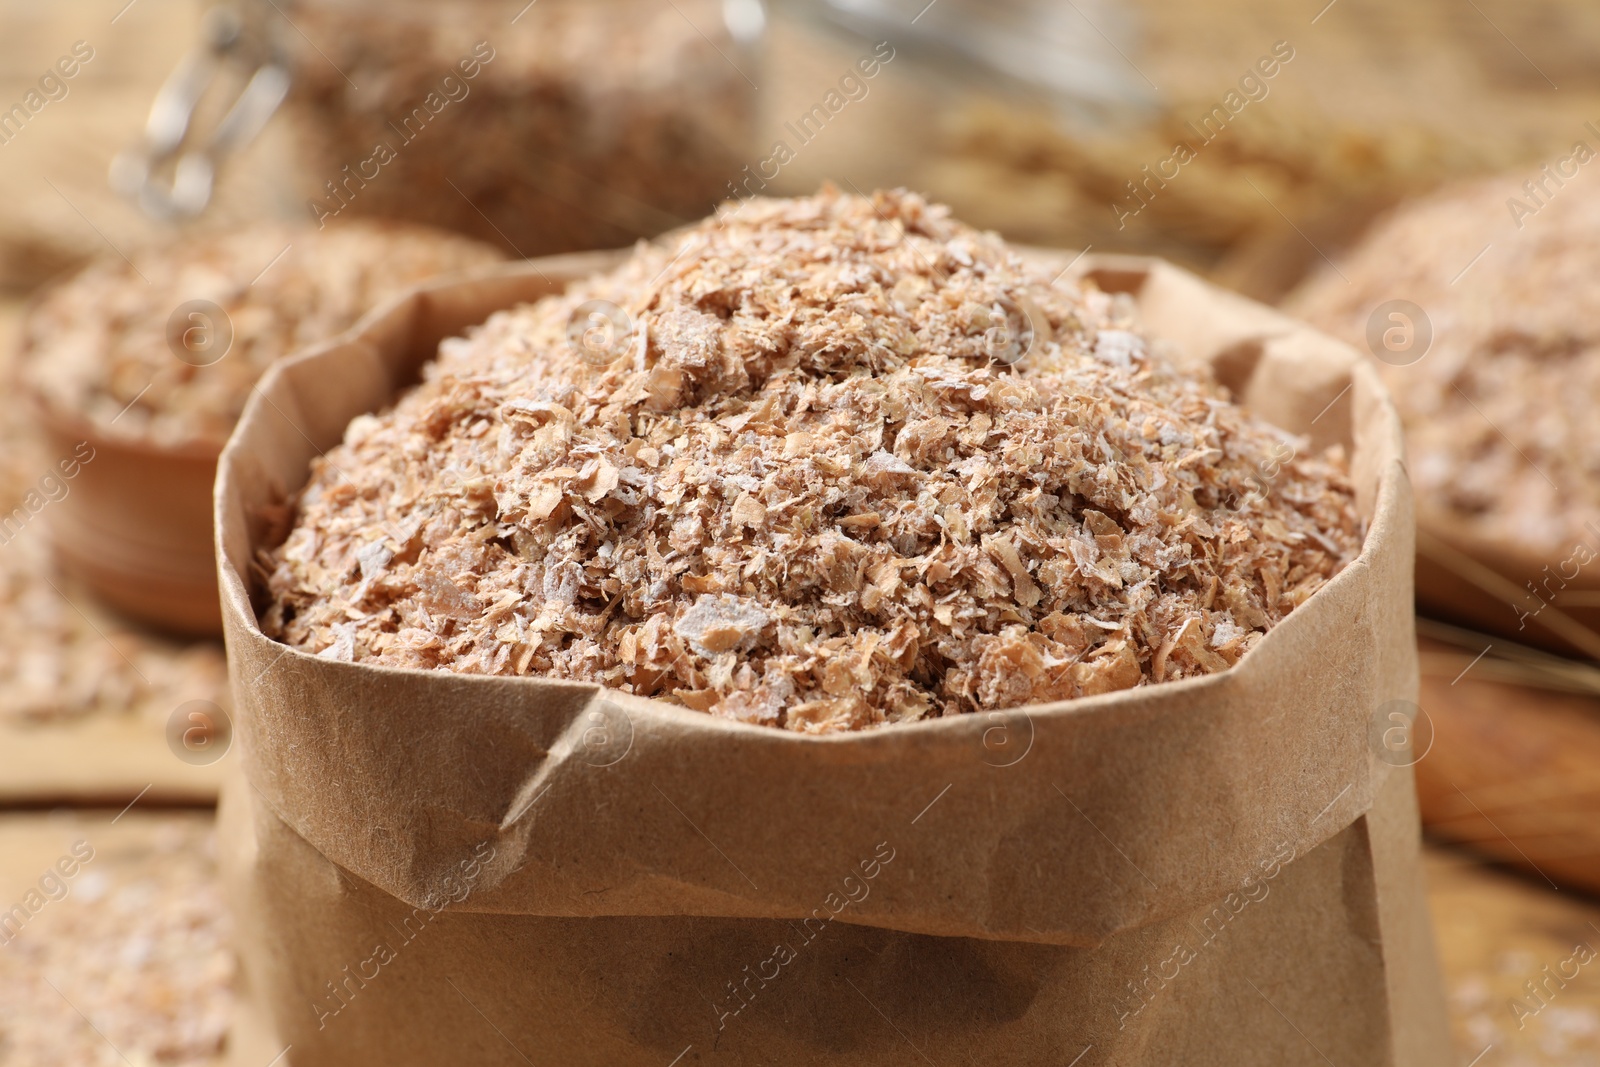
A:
102, 760
1513, 771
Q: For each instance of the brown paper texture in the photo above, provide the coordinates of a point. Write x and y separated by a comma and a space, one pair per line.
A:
1337, 941
1038, 855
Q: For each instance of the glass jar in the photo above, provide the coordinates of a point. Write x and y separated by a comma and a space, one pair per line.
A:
546, 127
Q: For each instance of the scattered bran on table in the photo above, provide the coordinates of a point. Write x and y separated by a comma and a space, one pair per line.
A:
133, 965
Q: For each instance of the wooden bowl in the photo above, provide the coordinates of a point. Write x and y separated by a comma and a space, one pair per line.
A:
135, 524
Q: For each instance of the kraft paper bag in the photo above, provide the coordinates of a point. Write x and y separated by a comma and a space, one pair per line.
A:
431, 867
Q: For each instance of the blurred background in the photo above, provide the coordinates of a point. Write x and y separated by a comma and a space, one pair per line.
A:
1253, 141
1028, 117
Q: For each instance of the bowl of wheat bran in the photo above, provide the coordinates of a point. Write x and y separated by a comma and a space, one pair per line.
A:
144, 364
1494, 363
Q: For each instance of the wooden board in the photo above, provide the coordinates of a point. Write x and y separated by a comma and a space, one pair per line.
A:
1514, 769
104, 760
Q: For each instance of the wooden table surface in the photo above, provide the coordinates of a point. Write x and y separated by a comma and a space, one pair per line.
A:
122, 958
1496, 931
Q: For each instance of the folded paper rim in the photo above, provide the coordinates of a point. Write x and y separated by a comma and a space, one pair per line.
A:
1060, 823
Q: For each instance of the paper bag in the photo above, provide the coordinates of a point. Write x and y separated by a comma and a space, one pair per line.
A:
434, 867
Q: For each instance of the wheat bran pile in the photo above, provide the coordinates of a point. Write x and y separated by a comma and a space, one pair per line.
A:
63, 657
96, 346
810, 495
1500, 411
